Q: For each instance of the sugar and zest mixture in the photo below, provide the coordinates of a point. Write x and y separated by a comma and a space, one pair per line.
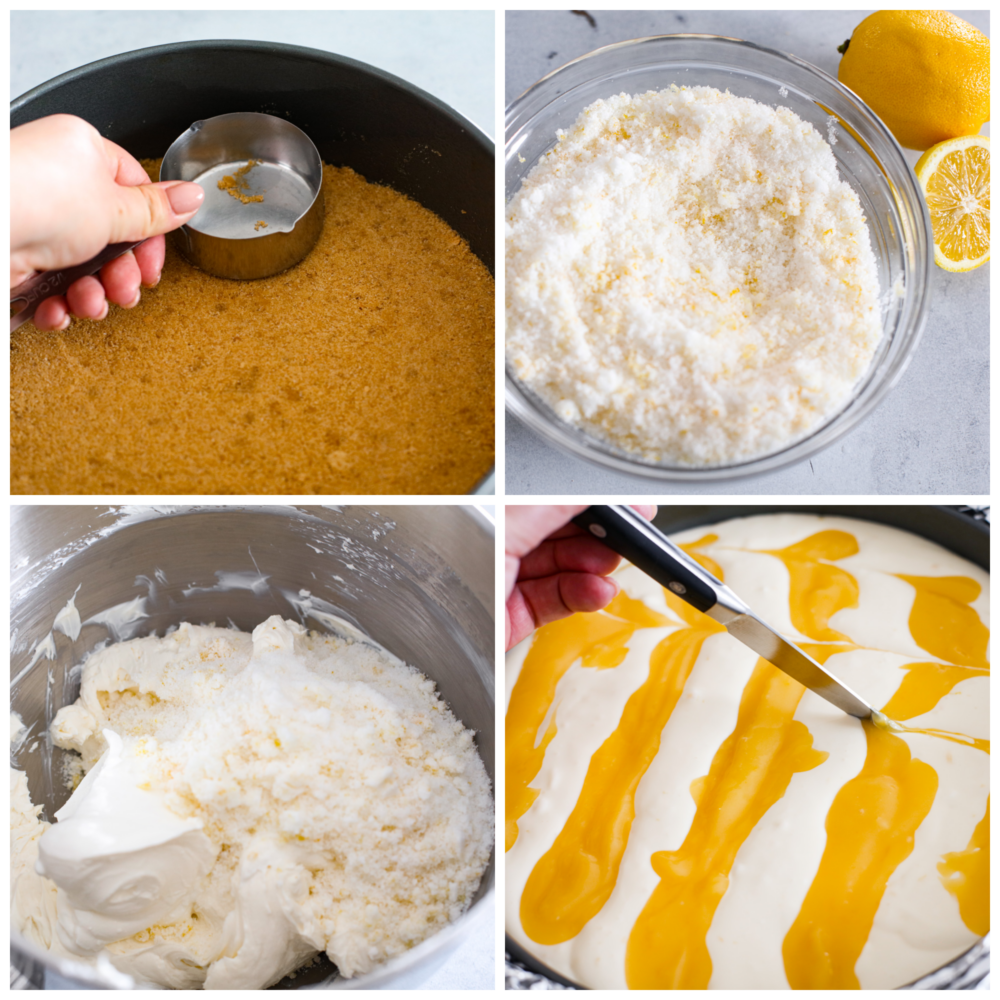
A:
689, 279
346, 809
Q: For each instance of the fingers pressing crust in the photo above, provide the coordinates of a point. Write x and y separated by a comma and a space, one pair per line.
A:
150, 256
120, 283
52, 314
86, 298
121, 278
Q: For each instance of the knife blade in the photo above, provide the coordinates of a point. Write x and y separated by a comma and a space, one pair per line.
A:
646, 547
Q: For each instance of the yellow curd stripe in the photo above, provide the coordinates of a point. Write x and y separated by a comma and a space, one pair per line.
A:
818, 590
924, 685
941, 734
869, 833
600, 641
749, 773
942, 623
574, 878
692, 549
966, 875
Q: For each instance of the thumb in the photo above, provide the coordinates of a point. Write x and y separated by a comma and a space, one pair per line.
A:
151, 209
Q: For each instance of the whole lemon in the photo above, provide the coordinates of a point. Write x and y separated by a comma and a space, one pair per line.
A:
925, 73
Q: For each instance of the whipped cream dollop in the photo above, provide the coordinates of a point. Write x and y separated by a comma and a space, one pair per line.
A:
121, 859
250, 802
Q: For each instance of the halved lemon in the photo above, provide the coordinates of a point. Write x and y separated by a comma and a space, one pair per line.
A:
955, 177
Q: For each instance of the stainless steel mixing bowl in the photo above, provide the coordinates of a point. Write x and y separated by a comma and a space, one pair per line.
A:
417, 579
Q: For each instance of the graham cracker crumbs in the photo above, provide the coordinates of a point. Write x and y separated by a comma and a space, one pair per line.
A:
261, 224
366, 368
237, 184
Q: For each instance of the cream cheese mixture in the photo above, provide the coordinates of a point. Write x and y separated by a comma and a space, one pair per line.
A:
682, 815
689, 279
248, 803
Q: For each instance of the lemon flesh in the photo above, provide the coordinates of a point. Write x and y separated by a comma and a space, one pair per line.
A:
955, 178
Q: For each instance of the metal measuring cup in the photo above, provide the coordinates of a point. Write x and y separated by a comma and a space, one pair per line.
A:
263, 207
227, 237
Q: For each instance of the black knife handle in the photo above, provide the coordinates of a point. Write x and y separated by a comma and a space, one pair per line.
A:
632, 536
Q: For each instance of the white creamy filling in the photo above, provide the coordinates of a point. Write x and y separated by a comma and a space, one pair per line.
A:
917, 926
121, 859
32, 899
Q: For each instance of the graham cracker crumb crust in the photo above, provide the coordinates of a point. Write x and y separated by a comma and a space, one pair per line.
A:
366, 368
235, 185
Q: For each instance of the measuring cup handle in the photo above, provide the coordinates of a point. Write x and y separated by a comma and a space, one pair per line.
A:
34, 290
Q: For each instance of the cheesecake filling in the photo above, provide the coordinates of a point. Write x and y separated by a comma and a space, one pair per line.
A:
682, 815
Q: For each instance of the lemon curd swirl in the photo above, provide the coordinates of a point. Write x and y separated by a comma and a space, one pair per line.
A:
682, 815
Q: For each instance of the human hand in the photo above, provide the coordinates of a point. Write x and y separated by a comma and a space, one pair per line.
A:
74, 192
553, 568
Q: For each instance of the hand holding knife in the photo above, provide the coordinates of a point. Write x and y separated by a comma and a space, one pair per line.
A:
647, 548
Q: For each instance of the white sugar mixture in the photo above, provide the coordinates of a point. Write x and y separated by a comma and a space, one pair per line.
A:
251, 802
689, 279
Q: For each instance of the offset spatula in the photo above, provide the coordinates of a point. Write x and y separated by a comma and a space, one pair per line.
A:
632, 536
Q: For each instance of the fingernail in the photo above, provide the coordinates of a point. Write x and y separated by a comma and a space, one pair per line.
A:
67, 319
185, 197
135, 301
104, 311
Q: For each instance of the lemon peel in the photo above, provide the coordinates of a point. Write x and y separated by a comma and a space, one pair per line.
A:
925, 73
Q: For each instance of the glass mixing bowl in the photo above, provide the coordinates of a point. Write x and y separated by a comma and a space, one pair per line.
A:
868, 158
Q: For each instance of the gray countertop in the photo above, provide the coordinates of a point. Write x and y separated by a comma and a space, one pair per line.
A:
929, 436
450, 54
